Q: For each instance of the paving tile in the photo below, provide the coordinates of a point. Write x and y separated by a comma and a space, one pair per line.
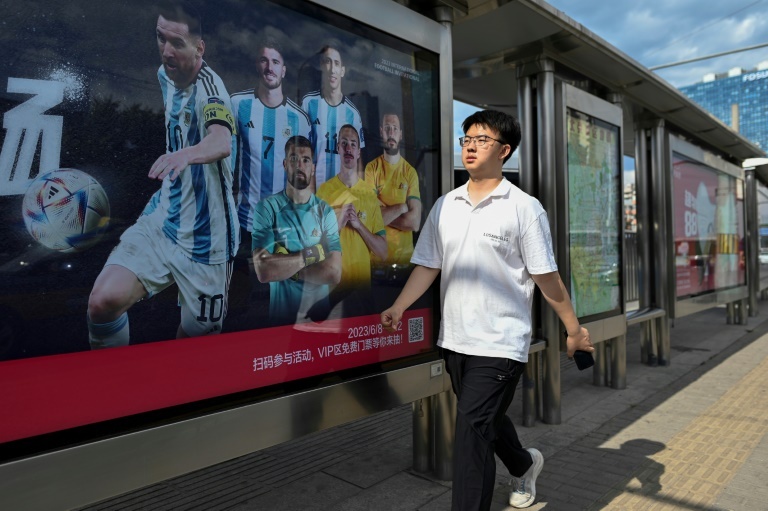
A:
402, 492
317, 491
372, 467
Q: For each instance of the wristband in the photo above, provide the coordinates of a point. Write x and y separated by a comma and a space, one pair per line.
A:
313, 254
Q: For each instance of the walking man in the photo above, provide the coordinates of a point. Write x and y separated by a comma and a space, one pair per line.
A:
491, 243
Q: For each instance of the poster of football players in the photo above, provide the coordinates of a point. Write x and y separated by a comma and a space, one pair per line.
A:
238, 189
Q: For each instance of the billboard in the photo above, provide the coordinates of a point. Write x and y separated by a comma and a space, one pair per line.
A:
223, 204
762, 219
708, 228
594, 215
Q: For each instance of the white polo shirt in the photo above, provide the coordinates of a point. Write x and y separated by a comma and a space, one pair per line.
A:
486, 254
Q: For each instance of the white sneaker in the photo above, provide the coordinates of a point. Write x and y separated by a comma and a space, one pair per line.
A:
524, 492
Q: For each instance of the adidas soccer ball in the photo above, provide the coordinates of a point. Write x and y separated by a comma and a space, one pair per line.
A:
66, 210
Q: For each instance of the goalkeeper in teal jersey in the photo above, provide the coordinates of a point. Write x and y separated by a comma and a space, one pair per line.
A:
296, 242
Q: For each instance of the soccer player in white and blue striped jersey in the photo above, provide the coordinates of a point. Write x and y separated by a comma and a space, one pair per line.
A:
329, 109
188, 232
265, 120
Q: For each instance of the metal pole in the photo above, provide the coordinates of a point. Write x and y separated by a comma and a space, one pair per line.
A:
528, 185
445, 429
619, 362
547, 177
644, 239
444, 404
423, 451
753, 241
664, 283
599, 375
529, 390
528, 131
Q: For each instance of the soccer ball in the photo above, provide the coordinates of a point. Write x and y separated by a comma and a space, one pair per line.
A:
66, 210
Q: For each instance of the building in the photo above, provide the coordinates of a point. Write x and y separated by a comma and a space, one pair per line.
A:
739, 98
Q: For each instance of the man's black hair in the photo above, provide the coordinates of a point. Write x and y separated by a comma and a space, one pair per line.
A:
332, 44
271, 42
182, 11
297, 141
353, 129
504, 124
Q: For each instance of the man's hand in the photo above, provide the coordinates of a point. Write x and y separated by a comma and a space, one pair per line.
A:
169, 163
342, 216
580, 341
390, 318
352, 219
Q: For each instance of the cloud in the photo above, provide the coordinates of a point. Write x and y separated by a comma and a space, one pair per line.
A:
666, 31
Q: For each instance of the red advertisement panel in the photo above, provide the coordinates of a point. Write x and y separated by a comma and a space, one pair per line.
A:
708, 210
71, 390
224, 202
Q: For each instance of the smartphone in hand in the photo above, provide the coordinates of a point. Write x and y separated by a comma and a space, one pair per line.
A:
583, 359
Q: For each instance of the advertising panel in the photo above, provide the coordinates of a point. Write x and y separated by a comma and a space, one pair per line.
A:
199, 201
762, 219
594, 215
708, 211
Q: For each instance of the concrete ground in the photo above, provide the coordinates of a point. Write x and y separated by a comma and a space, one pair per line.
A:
688, 436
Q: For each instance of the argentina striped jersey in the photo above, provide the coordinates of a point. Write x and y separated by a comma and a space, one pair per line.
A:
326, 122
197, 210
262, 132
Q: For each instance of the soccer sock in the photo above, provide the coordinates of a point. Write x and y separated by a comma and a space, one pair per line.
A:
108, 335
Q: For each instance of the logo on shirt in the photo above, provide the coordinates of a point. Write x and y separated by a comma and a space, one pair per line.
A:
362, 215
496, 237
403, 186
187, 117
315, 233
287, 132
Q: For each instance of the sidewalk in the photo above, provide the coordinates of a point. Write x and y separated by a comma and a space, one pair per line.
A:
688, 436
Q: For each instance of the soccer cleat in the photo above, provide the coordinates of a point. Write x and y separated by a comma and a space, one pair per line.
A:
524, 492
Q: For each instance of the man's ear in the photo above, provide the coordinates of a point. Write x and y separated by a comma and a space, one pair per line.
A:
200, 48
504, 152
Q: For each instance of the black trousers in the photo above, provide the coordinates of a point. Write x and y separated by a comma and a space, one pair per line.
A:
484, 387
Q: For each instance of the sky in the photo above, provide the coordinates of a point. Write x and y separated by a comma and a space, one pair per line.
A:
657, 32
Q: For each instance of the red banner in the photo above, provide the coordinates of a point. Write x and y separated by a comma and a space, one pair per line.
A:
53, 393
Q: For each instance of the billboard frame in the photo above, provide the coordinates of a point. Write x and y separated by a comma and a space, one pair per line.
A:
567, 96
691, 305
64, 478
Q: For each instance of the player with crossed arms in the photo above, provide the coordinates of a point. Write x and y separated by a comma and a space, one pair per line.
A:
296, 242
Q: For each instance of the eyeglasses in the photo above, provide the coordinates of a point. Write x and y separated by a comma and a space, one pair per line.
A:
480, 141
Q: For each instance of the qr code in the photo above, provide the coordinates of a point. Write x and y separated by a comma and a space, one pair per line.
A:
415, 329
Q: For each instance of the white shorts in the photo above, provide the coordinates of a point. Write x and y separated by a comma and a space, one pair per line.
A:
158, 262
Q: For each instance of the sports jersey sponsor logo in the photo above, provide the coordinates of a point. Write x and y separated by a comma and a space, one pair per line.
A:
496, 237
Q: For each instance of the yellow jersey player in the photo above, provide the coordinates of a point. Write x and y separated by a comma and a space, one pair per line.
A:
397, 187
361, 228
